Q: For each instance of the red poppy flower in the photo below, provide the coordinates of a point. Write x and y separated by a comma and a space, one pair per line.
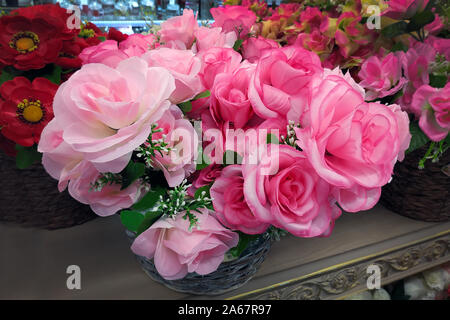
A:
26, 108
32, 37
53, 14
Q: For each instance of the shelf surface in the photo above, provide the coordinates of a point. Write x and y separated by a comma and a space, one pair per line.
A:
33, 262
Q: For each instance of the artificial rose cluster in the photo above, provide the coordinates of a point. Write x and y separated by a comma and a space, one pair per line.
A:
305, 140
40, 48
330, 148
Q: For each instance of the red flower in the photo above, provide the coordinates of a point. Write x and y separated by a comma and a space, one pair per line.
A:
115, 34
53, 14
26, 108
32, 37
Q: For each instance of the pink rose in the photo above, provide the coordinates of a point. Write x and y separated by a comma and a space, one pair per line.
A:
441, 45
432, 106
138, 44
177, 251
230, 205
218, 60
436, 26
106, 52
182, 141
107, 201
351, 144
207, 38
106, 113
381, 77
293, 197
404, 9
184, 67
281, 83
59, 159
253, 48
229, 96
204, 177
415, 63
65, 164
178, 31
234, 18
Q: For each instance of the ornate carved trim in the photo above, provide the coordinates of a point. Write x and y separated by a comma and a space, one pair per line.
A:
341, 279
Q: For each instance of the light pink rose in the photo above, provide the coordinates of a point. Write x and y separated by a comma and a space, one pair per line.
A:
107, 201
230, 205
229, 96
432, 106
381, 77
351, 144
253, 48
281, 84
106, 52
177, 251
404, 9
207, 38
59, 159
293, 197
138, 44
234, 18
218, 60
105, 113
184, 67
178, 31
182, 140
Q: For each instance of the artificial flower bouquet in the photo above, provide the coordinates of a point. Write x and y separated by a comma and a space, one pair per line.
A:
40, 48
206, 143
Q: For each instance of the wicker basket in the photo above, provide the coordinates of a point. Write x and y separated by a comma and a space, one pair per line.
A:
419, 194
229, 276
31, 198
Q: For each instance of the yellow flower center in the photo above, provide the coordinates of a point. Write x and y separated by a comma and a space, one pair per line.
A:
30, 111
24, 41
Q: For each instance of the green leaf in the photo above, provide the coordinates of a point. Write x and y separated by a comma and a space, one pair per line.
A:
150, 218
204, 94
399, 46
420, 20
102, 39
231, 157
272, 139
5, 76
55, 75
132, 172
131, 219
149, 200
244, 241
238, 44
26, 156
395, 29
418, 139
438, 81
185, 106
199, 191
202, 160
